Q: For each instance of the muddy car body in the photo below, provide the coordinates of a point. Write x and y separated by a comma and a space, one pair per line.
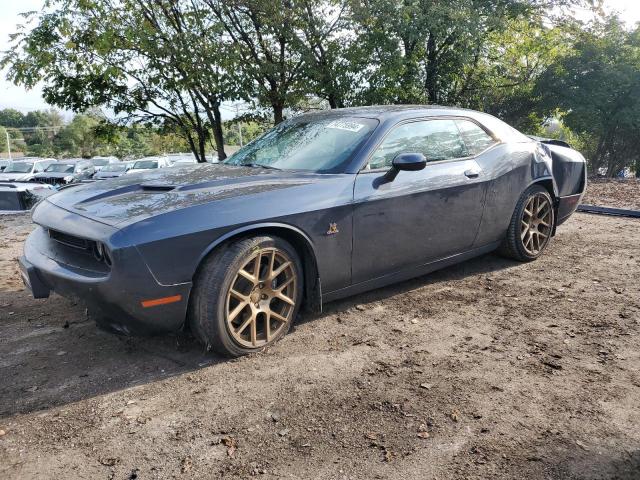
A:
381, 194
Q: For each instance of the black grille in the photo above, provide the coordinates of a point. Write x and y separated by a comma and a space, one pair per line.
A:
51, 180
70, 240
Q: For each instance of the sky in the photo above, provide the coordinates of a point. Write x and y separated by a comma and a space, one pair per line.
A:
20, 99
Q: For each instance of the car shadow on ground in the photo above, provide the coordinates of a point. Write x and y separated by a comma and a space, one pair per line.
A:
52, 353
482, 265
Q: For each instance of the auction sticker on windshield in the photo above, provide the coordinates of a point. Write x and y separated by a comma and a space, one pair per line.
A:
346, 125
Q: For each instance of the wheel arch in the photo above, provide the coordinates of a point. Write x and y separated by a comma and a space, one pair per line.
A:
312, 298
549, 186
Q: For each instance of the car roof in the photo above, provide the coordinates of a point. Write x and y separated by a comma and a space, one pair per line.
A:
390, 114
32, 159
383, 112
148, 159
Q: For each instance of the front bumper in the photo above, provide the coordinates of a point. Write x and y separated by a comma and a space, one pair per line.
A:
123, 295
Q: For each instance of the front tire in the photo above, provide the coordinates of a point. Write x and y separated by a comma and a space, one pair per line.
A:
531, 225
246, 295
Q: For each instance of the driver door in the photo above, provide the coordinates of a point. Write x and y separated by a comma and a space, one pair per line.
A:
420, 216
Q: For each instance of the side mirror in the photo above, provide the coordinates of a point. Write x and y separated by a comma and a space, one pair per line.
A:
409, 162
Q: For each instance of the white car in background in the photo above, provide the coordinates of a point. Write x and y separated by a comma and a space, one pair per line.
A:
113, 170
24, 169
148, 163
100, 162
181, 158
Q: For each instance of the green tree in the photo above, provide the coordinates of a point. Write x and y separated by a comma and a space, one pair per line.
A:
3, 141
11, 118
140, 58
78, 138
429, 51
268, 64
503, 81
595, 88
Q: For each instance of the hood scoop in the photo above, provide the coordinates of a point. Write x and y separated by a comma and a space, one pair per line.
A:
135, 188
150, 188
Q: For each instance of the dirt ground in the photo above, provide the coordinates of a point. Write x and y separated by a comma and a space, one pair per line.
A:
489, 369
613, 193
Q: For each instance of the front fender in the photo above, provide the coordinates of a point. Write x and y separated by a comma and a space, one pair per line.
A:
256, 227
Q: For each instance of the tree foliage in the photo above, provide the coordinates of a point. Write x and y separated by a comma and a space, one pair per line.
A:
170, 64
45, 134
595, 89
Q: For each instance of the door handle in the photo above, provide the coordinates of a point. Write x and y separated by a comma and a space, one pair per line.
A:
472, 173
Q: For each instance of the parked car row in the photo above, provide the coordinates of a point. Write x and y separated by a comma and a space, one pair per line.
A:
72, 170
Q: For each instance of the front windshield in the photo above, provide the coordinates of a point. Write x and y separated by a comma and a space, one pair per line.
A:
316, 144
61, 167
145, 164
114, 167
19, 167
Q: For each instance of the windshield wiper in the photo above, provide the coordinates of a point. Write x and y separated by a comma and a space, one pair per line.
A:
269, 167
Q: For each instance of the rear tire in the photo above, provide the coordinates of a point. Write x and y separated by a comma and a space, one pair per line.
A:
246, 295
531, 225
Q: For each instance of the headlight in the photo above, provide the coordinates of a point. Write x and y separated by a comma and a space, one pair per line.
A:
99, 250
68, 178
101, 253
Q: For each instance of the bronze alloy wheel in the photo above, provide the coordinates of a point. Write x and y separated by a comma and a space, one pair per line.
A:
261, 299
536, 223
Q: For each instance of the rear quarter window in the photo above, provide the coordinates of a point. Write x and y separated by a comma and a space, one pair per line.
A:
475, 138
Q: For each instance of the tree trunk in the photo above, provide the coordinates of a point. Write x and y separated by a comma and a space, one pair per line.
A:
277, 113
431, 82
192, 144
202, 144
217, 133
409, 79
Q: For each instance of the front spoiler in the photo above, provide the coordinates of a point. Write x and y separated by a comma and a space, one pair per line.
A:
31, 280
120, 296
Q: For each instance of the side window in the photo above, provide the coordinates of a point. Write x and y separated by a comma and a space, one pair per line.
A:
435, 139
475, 138
39, 167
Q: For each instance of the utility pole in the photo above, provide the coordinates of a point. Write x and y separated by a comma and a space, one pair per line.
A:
6, 132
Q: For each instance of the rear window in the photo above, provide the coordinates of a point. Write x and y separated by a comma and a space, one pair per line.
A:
115, 167
61, 167
145, 164
19, 167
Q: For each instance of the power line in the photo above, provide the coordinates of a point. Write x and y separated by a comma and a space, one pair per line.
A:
29, 129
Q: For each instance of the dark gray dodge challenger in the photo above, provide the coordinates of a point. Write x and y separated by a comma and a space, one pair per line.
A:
323, 206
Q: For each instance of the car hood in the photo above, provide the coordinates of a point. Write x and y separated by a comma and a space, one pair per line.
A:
13, 176
52, 175
130, 198
108, 174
